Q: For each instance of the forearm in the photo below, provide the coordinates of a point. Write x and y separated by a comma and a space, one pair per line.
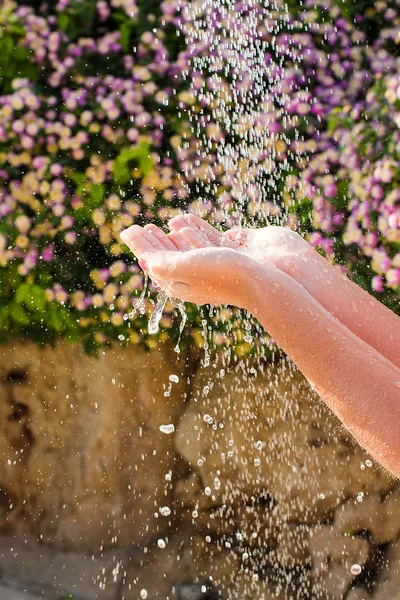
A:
360, 385
360, 312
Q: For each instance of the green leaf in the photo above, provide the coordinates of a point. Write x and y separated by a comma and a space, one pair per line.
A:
7, 46
54, 319
16, 29
125, 31
77, 178
122, 167
19, 314
22, 293
37, 298
145, 160
21, 53
93, 196
32, 296
97, 193
63, 21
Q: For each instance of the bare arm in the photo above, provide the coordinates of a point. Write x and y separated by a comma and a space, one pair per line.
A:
360, 312
361, 386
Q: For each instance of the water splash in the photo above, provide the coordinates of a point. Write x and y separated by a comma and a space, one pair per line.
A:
206, 345
154, 321
139, 304
178, 304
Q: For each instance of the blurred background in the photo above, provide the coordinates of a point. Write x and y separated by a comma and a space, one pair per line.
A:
132, 111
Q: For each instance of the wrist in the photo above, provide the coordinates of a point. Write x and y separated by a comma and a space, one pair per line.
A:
256, 282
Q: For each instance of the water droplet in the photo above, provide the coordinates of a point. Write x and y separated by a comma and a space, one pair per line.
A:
355, 569
174, 378
143, 594
161, 543
165, 511
167, 428
259, 445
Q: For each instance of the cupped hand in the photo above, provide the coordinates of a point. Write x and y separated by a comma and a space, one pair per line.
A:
192, 266
281, 246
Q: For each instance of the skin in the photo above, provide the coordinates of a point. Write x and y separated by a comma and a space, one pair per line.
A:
344, 341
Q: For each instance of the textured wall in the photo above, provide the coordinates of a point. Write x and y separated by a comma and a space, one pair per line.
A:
265, 492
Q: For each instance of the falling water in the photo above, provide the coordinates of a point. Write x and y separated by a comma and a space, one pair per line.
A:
240, 55
244, 61
240, 52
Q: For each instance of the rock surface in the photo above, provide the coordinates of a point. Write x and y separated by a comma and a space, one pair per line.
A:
273, 464
257, 492
82, 459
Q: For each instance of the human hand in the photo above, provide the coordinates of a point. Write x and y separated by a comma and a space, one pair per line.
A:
192, 268
281, 246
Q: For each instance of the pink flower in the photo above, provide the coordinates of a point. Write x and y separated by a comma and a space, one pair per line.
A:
377, 192
56, 169
70, 237
330, 190
47, 253
393, 277
377, 284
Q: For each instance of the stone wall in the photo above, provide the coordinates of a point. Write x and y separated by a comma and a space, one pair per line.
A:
258, 492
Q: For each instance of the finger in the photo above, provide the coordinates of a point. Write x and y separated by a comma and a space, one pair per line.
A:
139, 240
160, 236
180, 242
195, 237
206, 228
176, 223
237, 236
181, 221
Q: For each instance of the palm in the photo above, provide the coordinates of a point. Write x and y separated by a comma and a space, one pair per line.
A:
278, 245
206, 261
188, 232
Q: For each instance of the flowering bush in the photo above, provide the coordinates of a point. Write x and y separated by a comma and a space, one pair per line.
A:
89, 143
352, 174
96, 133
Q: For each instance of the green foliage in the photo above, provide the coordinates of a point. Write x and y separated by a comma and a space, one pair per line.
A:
14, 58
122, 168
